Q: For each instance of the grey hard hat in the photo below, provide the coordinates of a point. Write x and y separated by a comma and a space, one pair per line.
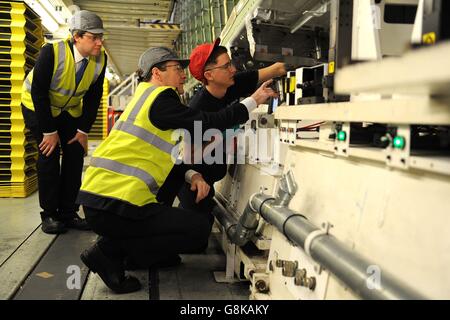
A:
153, 56
86, 21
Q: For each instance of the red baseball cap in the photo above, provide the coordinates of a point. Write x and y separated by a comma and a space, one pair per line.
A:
198, 58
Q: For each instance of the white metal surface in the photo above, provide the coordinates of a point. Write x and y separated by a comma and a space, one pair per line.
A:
421, 71
402, 111
390, 205
396, 219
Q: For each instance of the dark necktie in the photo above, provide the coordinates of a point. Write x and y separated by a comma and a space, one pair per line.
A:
80, 71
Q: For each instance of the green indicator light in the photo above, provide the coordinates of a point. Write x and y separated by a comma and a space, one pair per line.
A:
399, 142
342, 136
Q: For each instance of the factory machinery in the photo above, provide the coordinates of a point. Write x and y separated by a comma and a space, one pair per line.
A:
349, 198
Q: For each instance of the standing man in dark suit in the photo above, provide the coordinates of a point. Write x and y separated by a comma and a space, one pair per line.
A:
60, 100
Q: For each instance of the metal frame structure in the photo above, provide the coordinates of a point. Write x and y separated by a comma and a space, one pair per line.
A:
202, 21
132, 31
352, 187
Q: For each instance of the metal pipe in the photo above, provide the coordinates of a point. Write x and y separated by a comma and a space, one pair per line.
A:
246, 227
225, 219
239, 232
345, 264
242, 231
287, 188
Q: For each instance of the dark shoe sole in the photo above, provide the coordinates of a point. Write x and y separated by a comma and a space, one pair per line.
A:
90, 264
85, 228
54, 230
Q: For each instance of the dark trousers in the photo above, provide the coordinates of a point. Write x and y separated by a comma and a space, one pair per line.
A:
58, 180
174, 187
166, 231
187, 201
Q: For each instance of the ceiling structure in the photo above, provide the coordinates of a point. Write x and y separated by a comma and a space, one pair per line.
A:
132, 26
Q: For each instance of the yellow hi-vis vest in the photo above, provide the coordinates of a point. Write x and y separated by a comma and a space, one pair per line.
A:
133, 162
63, 92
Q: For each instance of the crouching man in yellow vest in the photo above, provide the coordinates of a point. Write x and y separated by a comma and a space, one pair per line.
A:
60, 99
122, 186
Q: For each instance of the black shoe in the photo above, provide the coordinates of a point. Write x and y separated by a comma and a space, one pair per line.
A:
111, 271
76, 223
166, 262
52, 226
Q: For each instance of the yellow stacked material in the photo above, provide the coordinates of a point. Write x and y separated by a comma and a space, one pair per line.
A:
21, 37
99, 129
105, 107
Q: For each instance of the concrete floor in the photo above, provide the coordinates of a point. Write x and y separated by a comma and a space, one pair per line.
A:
23, 247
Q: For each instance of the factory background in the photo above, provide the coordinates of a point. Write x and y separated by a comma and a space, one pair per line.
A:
343, 191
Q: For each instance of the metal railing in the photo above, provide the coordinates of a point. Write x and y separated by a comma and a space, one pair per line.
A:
126, 87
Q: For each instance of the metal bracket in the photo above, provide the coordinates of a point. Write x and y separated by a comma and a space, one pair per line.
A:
228, 275
326, 226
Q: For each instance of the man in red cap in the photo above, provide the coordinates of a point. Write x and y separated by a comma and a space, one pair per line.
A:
223, 86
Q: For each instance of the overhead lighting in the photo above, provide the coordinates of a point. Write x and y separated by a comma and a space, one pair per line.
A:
52, 10
47, 21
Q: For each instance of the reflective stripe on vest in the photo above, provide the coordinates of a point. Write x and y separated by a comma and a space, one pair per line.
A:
28, 87
135, 159
129, 127
126, 170
64, 93
98, 68
57, 77
145, 135
81, 93
28, 84
139, 104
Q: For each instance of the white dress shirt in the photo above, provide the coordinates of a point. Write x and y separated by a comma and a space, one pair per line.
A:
78, 57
